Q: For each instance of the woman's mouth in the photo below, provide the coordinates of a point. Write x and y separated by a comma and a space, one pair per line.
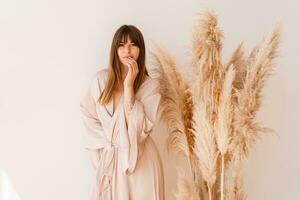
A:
128, 57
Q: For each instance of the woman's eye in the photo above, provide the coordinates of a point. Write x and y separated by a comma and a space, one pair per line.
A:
133, 44
120, 45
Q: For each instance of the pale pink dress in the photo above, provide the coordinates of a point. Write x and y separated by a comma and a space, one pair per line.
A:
130, 167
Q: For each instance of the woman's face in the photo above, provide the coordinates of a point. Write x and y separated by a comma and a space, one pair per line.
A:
126, 50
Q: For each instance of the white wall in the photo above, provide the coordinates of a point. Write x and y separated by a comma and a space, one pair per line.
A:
50, 49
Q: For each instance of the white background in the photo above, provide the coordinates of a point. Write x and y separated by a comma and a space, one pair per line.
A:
49, 50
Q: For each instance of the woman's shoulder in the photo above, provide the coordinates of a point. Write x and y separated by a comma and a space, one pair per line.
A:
154, 82
97, 82
99, 77
100, 74
150, 85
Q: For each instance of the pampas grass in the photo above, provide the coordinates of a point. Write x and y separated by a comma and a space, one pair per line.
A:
176, 106
205, 148
186, 189
259, 68
224, 120
212, 122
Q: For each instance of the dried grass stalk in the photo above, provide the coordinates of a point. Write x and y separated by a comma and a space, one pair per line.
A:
238, 61
260, 65
223, 127
172, 101
236, 187
213, 122
187, 190
205, 147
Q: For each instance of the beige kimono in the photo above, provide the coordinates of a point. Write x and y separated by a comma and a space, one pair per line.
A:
130, 167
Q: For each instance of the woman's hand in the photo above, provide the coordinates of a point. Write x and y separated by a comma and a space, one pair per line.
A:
132, 72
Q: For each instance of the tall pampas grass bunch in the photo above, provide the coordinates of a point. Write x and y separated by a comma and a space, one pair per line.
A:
211, 120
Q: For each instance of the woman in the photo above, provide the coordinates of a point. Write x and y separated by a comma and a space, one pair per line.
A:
119, 111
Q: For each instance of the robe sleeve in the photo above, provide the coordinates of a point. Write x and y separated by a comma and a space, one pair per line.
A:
140, 123
95, 136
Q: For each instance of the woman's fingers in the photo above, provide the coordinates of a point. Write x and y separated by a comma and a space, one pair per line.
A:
129, 65
134, 65
129, 68
132, 68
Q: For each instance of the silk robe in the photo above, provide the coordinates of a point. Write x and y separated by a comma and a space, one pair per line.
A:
129, 165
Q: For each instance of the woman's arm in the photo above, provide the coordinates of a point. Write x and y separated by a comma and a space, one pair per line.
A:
128, 101
129, 87
95, 157
95, 138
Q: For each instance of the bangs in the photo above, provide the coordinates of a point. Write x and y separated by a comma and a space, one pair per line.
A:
128, 33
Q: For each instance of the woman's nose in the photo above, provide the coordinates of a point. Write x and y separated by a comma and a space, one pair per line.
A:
128, 49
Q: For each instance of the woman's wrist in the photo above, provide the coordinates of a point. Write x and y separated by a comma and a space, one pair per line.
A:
128, 85
129, 97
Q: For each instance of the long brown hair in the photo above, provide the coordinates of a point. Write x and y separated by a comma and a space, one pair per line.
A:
114, 76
